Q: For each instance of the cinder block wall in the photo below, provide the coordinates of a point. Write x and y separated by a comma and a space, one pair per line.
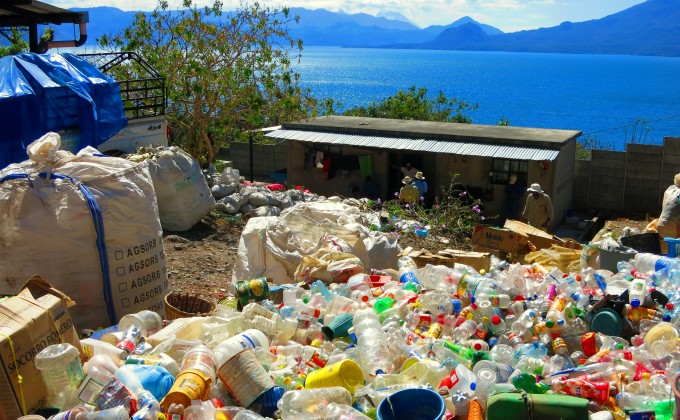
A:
633, 180
267, 158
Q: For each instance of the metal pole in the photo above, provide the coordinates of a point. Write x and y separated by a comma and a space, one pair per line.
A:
250, 140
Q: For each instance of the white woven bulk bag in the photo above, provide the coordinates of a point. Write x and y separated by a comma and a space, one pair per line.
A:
183, 194
87, 224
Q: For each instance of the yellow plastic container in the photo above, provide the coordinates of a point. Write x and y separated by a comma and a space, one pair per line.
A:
190, 385
346, 373
661, 331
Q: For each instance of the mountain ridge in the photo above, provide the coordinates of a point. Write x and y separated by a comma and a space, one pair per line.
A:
649, 28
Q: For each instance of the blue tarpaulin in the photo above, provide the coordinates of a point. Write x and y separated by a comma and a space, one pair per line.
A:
54, 92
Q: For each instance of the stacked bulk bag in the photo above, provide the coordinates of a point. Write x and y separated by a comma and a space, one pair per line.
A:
89, 225
183, 194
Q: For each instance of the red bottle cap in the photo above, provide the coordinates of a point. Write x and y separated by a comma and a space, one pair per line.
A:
495, 320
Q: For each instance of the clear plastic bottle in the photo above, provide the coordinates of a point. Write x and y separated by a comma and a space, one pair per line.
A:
437, 277
115, 413
99, 372
498, 325
310, 403
372, 342
147, 404
92, 347
131, 338
148, 322
465, 330
61, 372
630, 401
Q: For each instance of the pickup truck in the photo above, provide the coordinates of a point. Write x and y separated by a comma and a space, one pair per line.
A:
113, 101
144, 102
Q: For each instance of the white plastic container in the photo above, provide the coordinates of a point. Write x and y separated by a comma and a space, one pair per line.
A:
92, 347
182, 328
61, 371
148, 322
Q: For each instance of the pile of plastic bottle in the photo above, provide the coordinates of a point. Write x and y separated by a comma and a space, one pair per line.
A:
436, 342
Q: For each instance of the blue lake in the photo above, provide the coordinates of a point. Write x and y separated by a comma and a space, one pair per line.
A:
612, 99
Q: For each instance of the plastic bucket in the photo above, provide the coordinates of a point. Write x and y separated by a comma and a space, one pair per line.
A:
644, 242
346, 373
412, 404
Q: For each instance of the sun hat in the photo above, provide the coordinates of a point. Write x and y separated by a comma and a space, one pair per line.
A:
419, 175
406, 180
535, 188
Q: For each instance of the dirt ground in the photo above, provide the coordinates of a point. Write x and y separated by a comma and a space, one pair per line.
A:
200, 261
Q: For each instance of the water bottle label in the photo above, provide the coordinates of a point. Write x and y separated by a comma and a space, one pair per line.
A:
409, 277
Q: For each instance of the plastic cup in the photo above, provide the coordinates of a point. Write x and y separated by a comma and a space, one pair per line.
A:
346, 373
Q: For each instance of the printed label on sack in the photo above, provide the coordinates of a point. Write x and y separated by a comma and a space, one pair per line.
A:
139, 278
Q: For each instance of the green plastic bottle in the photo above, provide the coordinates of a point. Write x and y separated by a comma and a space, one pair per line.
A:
383, 304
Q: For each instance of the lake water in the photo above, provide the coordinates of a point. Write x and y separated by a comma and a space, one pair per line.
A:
609, 98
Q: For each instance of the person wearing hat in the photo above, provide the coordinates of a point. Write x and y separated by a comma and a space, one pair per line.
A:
420, 183
408, 193
538, 210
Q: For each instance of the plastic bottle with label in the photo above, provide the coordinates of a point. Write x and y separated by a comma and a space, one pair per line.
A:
99, 372
61, 372
248, 339
115, 413
161, 359
92, 347
198, 373
408, 271
637, 292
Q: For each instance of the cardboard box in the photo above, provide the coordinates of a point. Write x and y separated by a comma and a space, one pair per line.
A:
538, 238
35, 318
499, 238
477, 260
502, 255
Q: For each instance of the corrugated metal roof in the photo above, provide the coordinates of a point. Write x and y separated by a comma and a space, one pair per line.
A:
420, 145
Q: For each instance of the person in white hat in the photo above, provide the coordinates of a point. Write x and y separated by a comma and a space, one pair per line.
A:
408, 193
538, 210
420, 183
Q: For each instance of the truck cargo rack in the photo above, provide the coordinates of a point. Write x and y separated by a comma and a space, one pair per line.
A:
141, 86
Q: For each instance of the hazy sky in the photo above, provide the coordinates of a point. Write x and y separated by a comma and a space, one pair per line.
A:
507, 15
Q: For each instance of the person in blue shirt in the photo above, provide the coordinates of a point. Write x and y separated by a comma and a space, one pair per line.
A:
420, 183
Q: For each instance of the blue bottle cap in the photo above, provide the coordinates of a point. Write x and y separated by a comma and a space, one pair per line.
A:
635, 303
473, 386
667, 318
457, 305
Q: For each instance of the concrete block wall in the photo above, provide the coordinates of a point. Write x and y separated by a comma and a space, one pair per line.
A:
607, 179
634, 180
267, 158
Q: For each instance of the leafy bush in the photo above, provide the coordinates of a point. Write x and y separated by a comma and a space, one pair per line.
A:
452, 216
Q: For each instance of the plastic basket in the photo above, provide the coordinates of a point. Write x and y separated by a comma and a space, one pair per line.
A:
184, 305
673, 247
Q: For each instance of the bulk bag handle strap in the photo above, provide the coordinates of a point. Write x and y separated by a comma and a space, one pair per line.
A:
100, 240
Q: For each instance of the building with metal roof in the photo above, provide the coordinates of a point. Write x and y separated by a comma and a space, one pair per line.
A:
331, 155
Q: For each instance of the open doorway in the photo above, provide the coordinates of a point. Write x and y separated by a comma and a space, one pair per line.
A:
397, 160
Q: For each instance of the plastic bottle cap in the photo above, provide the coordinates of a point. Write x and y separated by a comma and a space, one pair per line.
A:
482, 271
550, 323
473, 386
473, 300
478, 346
666, 318
635, 303
495, 320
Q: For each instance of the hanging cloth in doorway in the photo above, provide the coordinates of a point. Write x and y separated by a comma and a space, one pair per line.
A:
366, 166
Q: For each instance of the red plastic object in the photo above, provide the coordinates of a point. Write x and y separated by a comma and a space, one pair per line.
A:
276, 187
380, 281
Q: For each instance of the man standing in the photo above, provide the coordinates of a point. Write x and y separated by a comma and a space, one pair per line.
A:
409, 170
538, 210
